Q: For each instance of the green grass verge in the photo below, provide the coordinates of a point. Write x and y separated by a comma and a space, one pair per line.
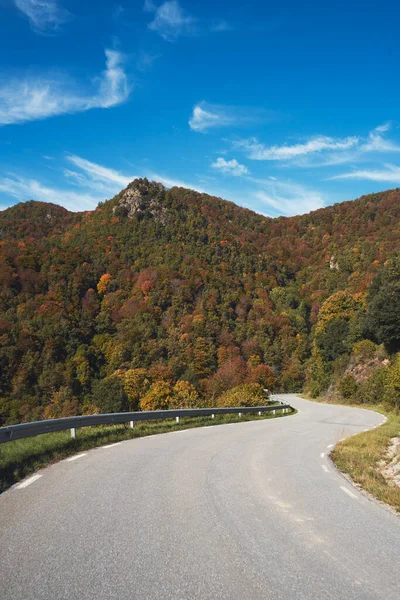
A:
359, 455
22, 457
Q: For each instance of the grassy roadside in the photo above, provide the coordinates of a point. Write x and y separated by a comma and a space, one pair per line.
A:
22, 457
359, 456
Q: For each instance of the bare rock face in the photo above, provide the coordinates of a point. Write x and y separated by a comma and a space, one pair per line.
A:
333, 264
142, 198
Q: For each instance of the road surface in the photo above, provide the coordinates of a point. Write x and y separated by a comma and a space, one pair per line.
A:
247, 511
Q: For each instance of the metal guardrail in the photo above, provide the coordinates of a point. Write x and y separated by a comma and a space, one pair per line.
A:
24, 430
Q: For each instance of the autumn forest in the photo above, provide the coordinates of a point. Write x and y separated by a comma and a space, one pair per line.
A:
170, 298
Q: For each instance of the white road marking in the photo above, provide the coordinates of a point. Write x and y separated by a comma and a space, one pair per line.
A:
27, 482
76, 457
330, 446
112, 445
325, 468
322, 454
348, 492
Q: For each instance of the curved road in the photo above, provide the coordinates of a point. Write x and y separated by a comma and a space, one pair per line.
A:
247, 511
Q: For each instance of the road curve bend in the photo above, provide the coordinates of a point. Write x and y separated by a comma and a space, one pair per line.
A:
246, 511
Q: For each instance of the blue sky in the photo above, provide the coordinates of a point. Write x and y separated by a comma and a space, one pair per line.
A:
281, 107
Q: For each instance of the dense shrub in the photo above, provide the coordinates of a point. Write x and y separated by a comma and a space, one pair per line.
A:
109, 395
371, 390
391, 391
364, 350
247, 394
348, 386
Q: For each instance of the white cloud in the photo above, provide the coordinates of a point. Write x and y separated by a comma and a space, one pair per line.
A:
257, 151
286, 197
233, 167
168, 182
36, 98
390, 173
23, 189
207, 116
45, 16
377, 143
109, 181
322, 151
90, 183
170, 20
290, 198
104, 181
93, 183
384, 127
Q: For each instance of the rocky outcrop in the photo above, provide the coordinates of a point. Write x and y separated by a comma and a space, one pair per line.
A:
142, 198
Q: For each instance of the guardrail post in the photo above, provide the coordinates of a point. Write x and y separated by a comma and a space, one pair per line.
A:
73, 432
274, 412
259, 413
240, 414
177, 419
131, 424
212, 416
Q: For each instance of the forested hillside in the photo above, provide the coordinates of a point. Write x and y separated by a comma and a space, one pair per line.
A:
172, 298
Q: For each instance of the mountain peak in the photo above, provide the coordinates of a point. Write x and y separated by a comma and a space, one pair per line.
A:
141, 197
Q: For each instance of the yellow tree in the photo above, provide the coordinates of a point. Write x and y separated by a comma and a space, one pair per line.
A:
184, 395
136, 384
159, 397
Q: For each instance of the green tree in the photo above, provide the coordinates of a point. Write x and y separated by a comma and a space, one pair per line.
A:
382, 322
136, 383
348, 386
332, 339
109, 395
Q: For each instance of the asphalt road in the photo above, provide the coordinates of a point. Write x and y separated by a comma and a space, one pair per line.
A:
247, 511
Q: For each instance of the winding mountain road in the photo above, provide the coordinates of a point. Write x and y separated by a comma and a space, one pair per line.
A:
246, 511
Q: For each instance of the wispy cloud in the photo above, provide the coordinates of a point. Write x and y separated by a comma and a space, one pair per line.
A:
39, 98
390, 173
384, 127
206, 116
172, 182
170, 20
377, 143
288, 198
321, 151
82, 188
23, 189
145, 60
97, 176
45, 16
85, 184
257, 151
233, 167
102, 179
